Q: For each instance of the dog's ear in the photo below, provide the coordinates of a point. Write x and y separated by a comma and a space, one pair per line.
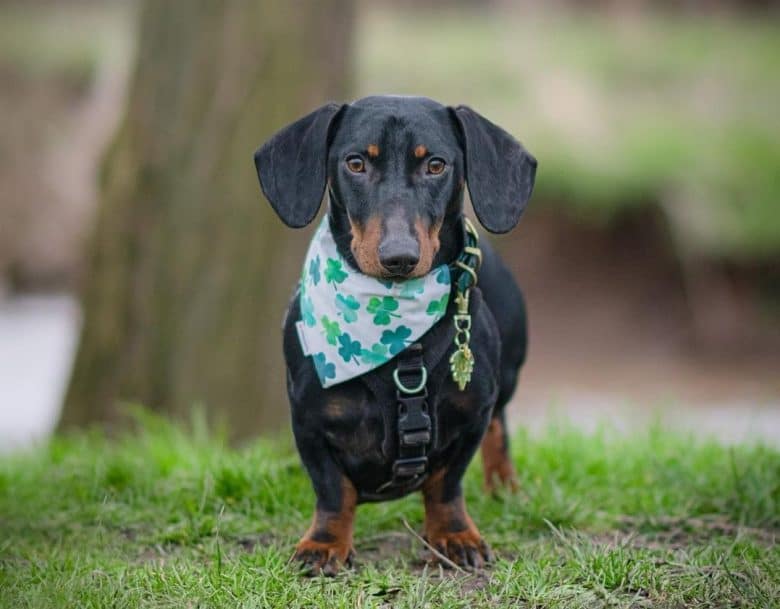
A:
499, 171
292, 166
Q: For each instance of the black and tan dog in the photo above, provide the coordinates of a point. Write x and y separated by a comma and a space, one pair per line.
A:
395, 169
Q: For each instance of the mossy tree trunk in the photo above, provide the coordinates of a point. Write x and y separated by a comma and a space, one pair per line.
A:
189, 270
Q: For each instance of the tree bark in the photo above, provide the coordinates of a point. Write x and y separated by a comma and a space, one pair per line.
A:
190, 270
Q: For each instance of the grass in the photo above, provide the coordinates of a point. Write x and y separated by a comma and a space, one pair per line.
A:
677, 111
172, 518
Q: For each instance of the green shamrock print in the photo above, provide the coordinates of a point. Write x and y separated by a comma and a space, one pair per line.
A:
333, 272
412, 287
349, 349
438, 307
382, 309
314, 270
443, 275
324, 368
388, 283
307, 311
331, 328
376, 356
396, 340
347, 307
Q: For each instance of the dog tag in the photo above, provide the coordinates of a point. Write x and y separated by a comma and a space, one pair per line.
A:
461, 365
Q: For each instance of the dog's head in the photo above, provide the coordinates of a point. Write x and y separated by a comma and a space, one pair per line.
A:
396, 167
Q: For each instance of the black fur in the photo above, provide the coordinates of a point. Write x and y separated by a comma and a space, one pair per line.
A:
499, 171
291, 166
348, 430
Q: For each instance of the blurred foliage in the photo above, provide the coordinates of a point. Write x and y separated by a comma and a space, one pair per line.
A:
677, 112
50, 40
670, 110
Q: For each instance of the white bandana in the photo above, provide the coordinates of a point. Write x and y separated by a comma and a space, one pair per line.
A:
352, 323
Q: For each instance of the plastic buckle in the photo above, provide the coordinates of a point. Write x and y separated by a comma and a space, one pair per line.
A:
407, 468
414, 423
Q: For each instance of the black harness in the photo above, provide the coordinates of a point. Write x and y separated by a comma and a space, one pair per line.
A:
415, 420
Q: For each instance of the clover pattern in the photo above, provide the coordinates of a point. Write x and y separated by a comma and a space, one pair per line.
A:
332, 330
382, 309
307, 310
412, 287
343, 341
443, 275
347, 307
334, 273
439, 306
314, 270
376, 356
325, 369
396, 339
349, 349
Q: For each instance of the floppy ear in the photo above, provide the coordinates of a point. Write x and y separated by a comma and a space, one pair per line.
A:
499, 171
292, 166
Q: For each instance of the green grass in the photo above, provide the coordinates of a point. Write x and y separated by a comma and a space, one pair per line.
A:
671, 111
168, 518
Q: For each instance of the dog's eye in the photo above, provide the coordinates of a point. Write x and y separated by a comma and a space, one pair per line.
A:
355, 163
436, 166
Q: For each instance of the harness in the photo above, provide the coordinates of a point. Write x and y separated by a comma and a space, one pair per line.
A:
415, 420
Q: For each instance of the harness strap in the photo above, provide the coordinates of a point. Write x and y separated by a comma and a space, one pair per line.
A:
414, 423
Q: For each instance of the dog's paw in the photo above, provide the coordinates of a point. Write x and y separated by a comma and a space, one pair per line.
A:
319, 558
465, 548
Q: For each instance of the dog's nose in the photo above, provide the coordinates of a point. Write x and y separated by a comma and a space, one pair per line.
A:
399, 257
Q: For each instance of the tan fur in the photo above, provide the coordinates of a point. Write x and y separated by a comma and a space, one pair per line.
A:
335, 409
331, 555
420, 151
373, 150
429, 247
448, 526
496, 464
365, 245
366, 240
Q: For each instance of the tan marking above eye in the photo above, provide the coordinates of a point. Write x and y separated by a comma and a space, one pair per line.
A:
420, 151
373, 150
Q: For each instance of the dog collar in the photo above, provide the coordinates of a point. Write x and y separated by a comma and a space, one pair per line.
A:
352, 323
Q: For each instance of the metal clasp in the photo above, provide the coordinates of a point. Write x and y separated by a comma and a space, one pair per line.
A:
410, 390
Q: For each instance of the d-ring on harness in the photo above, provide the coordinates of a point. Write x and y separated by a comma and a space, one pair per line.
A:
414, 420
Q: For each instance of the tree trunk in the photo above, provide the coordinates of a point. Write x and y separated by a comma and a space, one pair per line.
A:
190, 270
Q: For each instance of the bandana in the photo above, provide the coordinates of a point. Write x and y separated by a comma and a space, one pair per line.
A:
352, 323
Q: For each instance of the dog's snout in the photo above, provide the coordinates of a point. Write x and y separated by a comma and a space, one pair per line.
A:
399, 257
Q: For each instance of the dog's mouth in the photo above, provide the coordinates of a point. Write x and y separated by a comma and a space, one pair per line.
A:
396, 276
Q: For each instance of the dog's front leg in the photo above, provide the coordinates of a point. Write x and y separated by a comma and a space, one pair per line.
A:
327, 545
448, 526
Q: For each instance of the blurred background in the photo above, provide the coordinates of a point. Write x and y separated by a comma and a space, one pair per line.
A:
140, 265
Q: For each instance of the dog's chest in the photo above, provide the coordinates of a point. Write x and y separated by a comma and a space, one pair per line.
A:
363, 429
